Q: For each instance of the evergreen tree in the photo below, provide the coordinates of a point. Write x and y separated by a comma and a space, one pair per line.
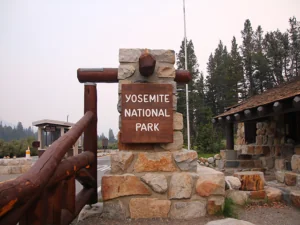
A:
111, 136
294, 33
192, 66
247, 51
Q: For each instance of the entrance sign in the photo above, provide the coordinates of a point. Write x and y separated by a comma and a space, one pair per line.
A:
147, 113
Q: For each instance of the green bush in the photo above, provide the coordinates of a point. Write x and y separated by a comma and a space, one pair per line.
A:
17, 147
229, 210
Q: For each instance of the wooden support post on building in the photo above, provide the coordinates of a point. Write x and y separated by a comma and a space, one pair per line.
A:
90, 133
229, 136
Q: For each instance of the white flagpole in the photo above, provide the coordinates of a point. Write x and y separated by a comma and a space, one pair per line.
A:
186, 86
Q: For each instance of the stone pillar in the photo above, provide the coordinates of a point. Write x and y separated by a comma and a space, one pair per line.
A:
157, 179
40, 138
62, 131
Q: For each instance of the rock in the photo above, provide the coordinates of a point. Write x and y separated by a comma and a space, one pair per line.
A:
125, 71
157, 161
215, 205
279, 176
186, 160
279, 164
217, 156
13, 162
290, 179
177, 121
16, 169
157, 182
295, 198
25, 168
176, 144
273, 194
165, 70
206, 164
114, 186
223, 154
259, 140
210, 182
295, 162
257, 194
210, 160
238, 197
188, 210
114, 210
267, 162
90, 210
166, 56
251, 180
181, 185
229, 221
5, 170
121, 161
149, 208
129, 55
233, 182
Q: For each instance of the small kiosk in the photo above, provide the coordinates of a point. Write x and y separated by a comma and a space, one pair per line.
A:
50, 130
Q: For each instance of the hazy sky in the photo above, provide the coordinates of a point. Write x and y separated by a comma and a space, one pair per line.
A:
43, 43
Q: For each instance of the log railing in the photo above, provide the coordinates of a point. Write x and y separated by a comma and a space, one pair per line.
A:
46, 193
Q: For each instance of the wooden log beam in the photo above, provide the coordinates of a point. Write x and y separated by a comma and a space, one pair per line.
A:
248, 113
110, 75
213, 121
229, 136
277, 107
85, 178
19, 191
220, 119
261, 110
146, 64
90, 133
237, 117
228, 119
69, 195
296, 102
70, 166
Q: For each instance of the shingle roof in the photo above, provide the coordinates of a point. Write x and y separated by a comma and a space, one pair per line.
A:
281, 92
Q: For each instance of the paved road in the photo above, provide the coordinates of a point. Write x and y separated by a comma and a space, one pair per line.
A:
103, 167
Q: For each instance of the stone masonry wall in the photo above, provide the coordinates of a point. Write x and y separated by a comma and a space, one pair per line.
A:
158, 180
14, 166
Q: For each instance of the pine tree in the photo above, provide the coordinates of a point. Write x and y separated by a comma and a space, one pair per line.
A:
247, 51
111, 136
294, 33
192, 66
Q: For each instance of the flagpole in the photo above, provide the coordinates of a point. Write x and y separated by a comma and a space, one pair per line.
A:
186, 86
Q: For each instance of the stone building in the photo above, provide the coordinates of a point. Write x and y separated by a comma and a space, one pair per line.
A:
267, 130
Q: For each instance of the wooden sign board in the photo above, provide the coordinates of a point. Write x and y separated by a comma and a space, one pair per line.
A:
147, 113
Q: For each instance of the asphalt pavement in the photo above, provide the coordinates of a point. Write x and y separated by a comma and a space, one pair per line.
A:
103, 166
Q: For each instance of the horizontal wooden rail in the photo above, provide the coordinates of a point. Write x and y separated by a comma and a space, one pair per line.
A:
70, 166
110, 75
18, 192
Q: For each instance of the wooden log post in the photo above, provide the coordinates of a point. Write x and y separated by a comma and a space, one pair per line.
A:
247, 113
237, 117
229, 136
296, 102
90, 133
261, 111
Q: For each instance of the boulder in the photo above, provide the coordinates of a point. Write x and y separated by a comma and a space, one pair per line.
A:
181, 185
279, 176
273, 194
210, 160
210, 182
279, 164
290, 179
215, 204
251, 180
186, 160
257, 194
114, 186
188, 210
157, 182
121, 161
176, 144
295, 198
177, 121
238, 197
129, 55
233, 182
114, 210
149, 208
90, 210
295, 162
125, 71
157, 161
165, 70
161, 55
217, 156
229, 221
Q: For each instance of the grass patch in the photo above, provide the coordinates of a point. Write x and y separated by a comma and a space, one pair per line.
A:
229, 210
205, 155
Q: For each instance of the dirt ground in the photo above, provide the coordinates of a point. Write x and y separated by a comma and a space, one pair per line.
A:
259, 214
